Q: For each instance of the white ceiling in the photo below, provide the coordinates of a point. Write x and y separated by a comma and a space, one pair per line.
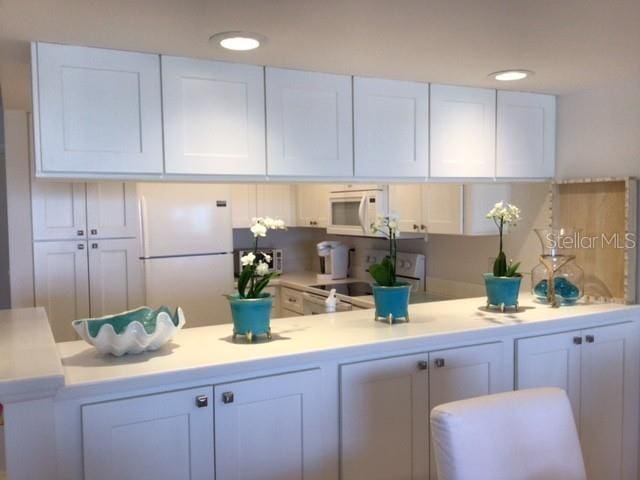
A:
570, 44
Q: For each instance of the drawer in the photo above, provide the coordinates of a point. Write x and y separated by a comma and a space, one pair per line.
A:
291, 300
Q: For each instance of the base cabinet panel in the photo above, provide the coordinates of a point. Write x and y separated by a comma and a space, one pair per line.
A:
385, 419
270, 428
160, 437
599, 370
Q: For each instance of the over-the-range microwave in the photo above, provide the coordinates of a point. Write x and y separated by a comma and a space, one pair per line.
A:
353, 210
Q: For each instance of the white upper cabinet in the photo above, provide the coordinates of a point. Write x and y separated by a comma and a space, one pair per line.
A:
112, 210
405, 200
526, 135
442, 208
309, 124
96, 110
463, 129
58, 210
391, 128
214, 122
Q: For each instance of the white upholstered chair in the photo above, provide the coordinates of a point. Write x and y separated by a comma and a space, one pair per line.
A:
522, 435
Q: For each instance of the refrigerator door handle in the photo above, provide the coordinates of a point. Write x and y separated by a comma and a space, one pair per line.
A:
144, 227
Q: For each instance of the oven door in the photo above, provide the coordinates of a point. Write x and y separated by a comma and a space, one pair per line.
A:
347, 214
313, 304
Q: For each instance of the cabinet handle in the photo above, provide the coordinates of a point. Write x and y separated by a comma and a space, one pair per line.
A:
577, 340
94, 245
423, 227
423, 365
94, 231
80, 233
292, 300
590, 338
439, 362
81, 246
202, 401
416, 227
227, 397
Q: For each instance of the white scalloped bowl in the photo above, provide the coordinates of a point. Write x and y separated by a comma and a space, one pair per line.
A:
134, 338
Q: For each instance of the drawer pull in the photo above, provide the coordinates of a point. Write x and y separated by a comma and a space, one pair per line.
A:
202, 401
81, 246
423, 365
577, 340
439, 362
94, 231
590, 338
80, 233
227, 397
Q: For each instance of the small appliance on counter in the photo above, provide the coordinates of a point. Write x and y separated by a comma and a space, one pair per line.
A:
334, 261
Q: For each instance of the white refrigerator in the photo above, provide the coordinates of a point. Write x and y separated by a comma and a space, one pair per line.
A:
187, 249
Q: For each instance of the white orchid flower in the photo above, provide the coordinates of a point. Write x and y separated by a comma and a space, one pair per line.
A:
507, 213
247, 259
259, 230
265, 257
262, 269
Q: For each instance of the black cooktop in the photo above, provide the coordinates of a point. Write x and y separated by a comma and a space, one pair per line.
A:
355, 289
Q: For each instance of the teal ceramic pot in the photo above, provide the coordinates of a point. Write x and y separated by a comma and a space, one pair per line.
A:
502, 292
251, 316
392, 303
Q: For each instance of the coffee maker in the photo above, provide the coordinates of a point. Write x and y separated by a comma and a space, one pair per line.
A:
334, 261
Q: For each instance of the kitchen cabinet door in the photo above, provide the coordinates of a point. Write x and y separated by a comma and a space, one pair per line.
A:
59, 210
461, 373
115, 275
62, 284
442, 208
161, 437
551, 361
112, 210
405, 200
463, 129
96, 110
391, 128
477, 200
526, 135
310, 123
270, 428
214, 120
243, 205
384, 419
312, 202
609, 402
276, 201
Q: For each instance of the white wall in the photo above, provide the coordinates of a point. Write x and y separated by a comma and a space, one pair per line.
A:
599, 132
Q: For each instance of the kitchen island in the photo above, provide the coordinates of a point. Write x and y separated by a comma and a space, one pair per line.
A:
333, 389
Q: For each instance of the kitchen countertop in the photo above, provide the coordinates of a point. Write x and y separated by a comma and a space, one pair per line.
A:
203, 353
326, 336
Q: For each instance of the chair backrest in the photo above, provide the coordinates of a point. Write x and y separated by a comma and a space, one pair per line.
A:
522, 435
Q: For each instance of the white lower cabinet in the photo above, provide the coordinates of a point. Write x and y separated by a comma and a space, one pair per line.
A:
81, 279
61, 273
270, 428
385, 406
167, 436
115, 276
599, 370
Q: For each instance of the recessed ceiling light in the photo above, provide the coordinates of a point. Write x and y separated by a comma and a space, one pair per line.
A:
241, 41
511, 75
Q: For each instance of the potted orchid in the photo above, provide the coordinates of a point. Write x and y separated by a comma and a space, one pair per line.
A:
251, 307
503, 285
390, 295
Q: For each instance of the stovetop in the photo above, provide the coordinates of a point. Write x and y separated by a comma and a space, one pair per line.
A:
353, 289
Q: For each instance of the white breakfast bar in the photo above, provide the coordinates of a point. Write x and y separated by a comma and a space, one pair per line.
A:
331, 396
